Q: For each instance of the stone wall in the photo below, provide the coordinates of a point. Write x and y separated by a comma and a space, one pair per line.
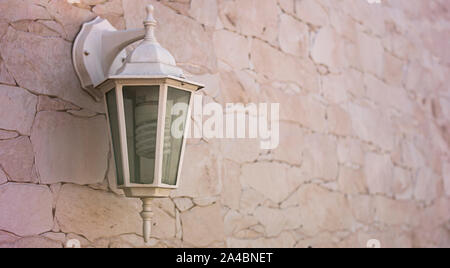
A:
365, 126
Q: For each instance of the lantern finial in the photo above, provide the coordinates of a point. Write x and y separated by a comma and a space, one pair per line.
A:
149, 58
150, 24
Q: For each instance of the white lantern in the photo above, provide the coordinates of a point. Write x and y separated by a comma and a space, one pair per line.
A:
148, 101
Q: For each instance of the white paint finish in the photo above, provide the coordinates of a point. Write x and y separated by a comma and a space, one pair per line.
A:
123, 135
160, 134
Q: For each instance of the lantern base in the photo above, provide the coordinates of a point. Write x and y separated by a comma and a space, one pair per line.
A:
141, 192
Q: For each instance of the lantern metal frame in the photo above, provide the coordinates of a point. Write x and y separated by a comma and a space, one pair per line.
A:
157, 189
102, 64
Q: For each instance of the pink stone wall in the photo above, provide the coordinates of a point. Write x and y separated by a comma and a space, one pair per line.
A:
364, 126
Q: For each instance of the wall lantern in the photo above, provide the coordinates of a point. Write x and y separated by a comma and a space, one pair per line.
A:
140, 91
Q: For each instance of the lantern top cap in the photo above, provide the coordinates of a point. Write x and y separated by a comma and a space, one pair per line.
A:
149, 58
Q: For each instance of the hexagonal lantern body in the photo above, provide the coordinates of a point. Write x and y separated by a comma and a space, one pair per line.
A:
148, 119
148, 106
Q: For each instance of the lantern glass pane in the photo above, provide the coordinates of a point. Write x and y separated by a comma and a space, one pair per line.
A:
141, 120
114, 127
175, 122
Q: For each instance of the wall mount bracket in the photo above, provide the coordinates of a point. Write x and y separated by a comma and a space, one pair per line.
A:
99, 51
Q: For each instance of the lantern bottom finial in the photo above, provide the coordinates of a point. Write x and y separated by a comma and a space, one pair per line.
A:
147, 215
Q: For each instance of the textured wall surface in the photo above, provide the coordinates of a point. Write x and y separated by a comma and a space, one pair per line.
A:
364, 125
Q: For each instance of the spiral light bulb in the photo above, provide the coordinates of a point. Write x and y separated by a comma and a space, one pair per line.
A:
147, 126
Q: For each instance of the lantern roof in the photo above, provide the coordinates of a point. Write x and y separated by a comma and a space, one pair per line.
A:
149, 58
99, 56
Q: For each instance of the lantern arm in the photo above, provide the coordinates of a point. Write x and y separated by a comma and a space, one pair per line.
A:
99, 51
114, 42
